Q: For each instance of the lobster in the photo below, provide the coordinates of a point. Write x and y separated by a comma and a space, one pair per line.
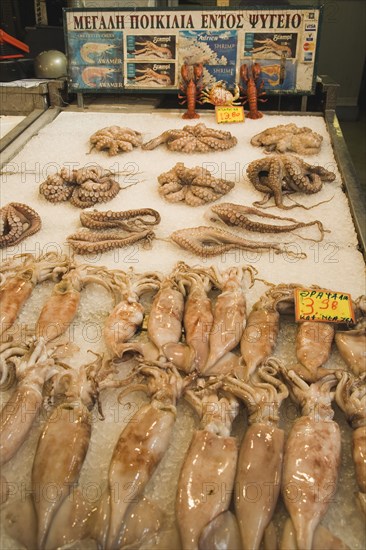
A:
253, 89
191, 88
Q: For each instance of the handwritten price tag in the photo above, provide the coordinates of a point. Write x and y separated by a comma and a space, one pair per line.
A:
231, 113
323, 305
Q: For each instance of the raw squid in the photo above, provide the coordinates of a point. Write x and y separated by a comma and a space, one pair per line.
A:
229, 318
197, 320
313, 347
123, 321
351, 344
19, 413
258, 477
207, 476
165, 320
139, 449
312, 456
17, 288
351, 398
60, 309
260, 335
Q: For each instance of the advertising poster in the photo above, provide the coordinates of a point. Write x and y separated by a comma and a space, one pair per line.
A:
146, 49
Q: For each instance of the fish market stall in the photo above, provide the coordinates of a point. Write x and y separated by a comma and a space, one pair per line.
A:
158, 389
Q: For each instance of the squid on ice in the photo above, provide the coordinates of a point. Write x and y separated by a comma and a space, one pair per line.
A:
211, 333
229, 319
312, 456
33, 368
207, 476
263, 325
60, 309
138, 451
351, 398
197, 320
260, 460
17, 287
60, 454
351, 344
126, 317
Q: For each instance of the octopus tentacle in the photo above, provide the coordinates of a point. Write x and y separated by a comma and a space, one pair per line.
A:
85, 243
239, 215
207, 241
17, 222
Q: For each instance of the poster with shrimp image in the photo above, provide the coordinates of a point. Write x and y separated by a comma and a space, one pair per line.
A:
90, 48
151, 47
96, 77
217, 51
150, 75
270, 45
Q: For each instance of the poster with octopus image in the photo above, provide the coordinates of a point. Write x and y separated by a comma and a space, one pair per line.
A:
150, 75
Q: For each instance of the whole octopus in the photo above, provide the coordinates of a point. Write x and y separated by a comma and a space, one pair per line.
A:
83, 187
108, 230
193, 139
17, 222
115, 139
194, 186
279, 174
288, 138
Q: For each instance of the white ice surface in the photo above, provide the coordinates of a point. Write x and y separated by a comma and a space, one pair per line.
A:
8, 122
334, 263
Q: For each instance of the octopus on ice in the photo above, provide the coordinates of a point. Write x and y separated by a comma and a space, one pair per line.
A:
288, 137
193, 139
279, 174
194, 186
115, 139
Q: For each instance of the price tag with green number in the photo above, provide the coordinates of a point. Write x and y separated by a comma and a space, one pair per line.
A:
323, 305
231, 113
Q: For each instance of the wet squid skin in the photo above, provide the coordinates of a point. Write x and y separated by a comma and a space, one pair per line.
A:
207, 476
197, 320
312, 457
260, 335
351, 398
351, 343
229, 317
62, 447
61, 308
17, 288
166, 315
60, 454
19, 413
128, 314
138, 451
313, 348
259, 470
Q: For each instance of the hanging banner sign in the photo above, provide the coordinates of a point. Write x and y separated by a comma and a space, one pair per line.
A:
110, 50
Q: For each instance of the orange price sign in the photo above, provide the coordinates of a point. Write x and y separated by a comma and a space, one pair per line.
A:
231, 113
323, 305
